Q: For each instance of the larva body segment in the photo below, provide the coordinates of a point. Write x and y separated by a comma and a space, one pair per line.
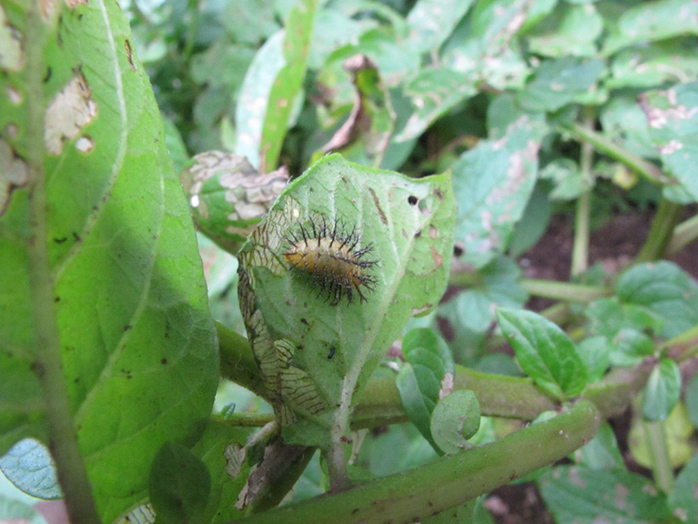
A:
332, 258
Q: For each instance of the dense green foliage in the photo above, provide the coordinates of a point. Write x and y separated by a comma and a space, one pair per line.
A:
148, 395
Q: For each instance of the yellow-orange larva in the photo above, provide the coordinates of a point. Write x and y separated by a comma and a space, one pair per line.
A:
332, 258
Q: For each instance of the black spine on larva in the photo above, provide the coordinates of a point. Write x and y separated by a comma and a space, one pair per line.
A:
333, 283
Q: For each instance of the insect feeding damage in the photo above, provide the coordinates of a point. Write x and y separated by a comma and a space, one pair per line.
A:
332, 258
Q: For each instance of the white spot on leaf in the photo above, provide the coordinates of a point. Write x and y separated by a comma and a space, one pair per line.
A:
14, 96
11, 45
14, 173
68, 113
85, 144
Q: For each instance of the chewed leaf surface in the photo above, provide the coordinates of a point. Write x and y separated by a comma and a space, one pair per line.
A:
137, 342
400, 233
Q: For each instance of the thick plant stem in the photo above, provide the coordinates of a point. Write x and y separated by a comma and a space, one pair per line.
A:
498, 395
604, 145
655, 433
238, 363
449, 481
660, 233
613, 394
62, 438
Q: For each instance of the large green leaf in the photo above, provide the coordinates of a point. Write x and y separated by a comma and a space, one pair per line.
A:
651, 21
484, 44
682, 500
288, 82
672, 116
497, 285
664, 290
571, 30
584, 495
271, 86
601, 452
651, 66
315, 355
494, 181
558, 82
433, 93
430, 22
180, 485
125, 288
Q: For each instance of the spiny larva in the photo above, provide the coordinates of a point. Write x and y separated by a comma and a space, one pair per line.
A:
333, 259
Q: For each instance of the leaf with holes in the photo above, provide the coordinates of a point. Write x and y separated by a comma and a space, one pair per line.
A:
672, 117
494, 181
123, 292
319, 327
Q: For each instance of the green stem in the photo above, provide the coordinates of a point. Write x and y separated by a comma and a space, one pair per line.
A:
557, 313
660, 233
564, 290
465, 279
501, 396
683, 346
62, 440
580, 248
192, 29
615, 392
498, 395
238, 363
542, 288
684, 233
655, 433
449, 481
249, 420
606, 146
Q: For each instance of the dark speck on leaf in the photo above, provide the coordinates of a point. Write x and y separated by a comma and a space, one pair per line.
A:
37, 369
60, 240
412, 200
163, 361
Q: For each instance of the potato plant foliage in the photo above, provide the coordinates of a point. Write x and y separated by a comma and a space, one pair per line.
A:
252, 253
